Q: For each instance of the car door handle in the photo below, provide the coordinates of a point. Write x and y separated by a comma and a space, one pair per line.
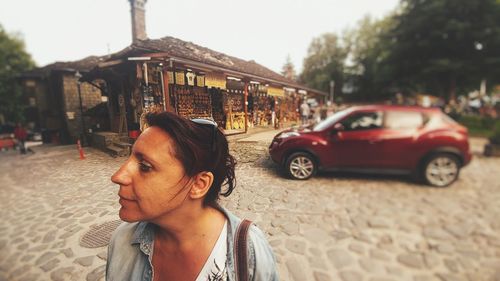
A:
373, 141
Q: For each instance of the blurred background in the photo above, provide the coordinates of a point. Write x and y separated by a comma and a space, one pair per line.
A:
379, 105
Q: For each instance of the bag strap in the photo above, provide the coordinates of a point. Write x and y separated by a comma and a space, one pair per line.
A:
241, 250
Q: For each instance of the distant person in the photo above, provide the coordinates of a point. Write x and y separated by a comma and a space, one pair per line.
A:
174, 227
317, 115
21, 135
304, 112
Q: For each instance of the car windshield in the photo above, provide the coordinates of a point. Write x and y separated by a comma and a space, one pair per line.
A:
328, 122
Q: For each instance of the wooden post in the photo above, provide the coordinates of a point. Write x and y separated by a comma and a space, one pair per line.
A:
162, 78
281, 118
166, 91
275, 112
245, 106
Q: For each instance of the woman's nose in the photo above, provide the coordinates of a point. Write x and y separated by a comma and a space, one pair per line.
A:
122, 176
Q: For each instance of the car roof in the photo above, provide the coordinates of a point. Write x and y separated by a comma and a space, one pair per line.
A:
394, 107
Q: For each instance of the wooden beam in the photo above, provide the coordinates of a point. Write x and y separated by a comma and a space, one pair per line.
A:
245, 105
109, 63
155, 55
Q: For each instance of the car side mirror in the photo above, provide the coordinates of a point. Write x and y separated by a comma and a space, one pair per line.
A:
336, 128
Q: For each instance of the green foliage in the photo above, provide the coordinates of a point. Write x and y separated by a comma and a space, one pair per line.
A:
368, 47
440, 45
324, 62
13, 61
495, 138
479, 126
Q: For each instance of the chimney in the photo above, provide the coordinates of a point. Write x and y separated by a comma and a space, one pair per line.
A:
138, 11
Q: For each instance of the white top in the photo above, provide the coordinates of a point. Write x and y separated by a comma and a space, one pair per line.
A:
215, 266
304, 109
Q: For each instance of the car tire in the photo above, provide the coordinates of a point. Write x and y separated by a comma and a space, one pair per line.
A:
301, 166
440, 170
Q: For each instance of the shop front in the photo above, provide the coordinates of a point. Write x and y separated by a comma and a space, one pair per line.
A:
172, 75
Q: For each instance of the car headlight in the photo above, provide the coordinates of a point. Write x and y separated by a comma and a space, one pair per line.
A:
288, 134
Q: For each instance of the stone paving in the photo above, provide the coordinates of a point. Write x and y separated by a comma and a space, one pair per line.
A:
345, 227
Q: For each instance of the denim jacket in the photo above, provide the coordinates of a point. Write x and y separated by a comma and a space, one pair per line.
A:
131, 247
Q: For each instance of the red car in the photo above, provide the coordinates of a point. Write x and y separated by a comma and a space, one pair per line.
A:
388, 139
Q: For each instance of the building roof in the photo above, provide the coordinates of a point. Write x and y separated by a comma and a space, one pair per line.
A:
176, 48
83, 65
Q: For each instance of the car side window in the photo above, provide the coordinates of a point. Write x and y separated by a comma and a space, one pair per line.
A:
403, 120
363, 121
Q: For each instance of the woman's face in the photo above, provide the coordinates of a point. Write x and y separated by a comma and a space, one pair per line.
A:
152, 181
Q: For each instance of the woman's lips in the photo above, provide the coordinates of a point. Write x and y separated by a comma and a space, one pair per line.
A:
125, 200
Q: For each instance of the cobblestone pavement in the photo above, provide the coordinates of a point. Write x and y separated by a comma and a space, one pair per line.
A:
333, 227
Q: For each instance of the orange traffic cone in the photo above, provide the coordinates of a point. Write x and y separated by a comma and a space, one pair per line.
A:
80, 149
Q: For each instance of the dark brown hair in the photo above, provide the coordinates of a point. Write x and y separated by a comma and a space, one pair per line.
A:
195, 150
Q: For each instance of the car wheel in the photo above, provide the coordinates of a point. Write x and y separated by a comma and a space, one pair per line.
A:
441, 170
300, 166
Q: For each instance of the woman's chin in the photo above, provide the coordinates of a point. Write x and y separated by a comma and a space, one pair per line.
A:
126, 216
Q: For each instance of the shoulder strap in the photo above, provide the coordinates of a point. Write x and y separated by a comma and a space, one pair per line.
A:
241, 250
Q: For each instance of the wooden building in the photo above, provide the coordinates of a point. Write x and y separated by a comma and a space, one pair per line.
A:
52, 100
174, 75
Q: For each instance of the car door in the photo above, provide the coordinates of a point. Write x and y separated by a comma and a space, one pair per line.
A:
398, 138
355, 143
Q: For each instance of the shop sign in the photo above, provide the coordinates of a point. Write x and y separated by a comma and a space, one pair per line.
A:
179, 78
215, 80
200, 81
190, 78
276, 92
170, 75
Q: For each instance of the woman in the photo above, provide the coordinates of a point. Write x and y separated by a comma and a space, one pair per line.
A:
175, 229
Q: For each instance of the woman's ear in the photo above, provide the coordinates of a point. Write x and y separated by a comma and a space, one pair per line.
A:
201, 185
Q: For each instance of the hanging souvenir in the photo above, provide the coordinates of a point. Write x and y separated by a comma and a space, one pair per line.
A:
215, 80
170, 75
179, 78
275, 91
200, 81
190, 78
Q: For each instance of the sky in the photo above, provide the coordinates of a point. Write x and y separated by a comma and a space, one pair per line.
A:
266, 31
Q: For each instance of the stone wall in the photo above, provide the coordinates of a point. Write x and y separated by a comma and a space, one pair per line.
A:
91, 96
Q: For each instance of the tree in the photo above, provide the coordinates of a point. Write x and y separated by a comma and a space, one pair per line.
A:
367, 49
441, 45
14, 60
288, 69
325, 62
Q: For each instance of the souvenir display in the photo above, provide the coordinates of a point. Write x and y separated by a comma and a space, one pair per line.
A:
217, 99
235, 102
235, 121
202, 103
151, 91
192, 102
183, 101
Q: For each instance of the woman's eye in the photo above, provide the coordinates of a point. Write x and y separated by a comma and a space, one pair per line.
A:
145, 167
